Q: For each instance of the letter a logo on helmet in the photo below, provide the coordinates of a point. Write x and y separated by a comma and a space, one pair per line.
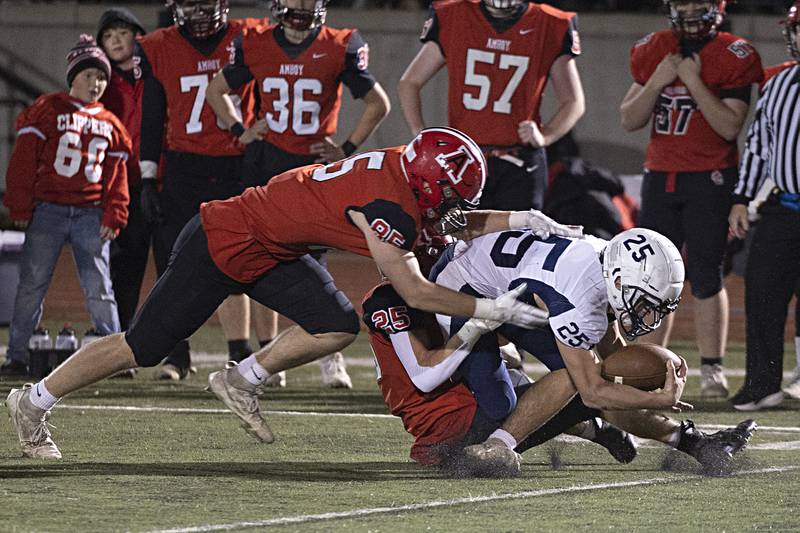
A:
446, 171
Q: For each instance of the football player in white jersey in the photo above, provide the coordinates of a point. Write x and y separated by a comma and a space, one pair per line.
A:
635, 279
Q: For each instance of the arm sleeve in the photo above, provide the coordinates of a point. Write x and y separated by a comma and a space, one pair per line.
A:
154, 114
426, 378
390, 223
237, 73
115, 183
755, 156
355, 75
571, 44
21, 175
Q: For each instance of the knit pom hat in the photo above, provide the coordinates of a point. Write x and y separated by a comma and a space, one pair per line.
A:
86, 54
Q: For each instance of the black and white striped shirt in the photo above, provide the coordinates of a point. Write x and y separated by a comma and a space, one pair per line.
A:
773, 141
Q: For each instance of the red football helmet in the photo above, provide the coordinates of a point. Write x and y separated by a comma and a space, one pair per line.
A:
201, 18
447, 171
297, 18
790, 26
695, 20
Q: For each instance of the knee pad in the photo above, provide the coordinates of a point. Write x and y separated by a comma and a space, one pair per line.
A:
149, 348
499, 406
341, 322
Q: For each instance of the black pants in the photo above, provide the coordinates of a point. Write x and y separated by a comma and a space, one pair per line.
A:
773, 271
516, 184
189, 180
692, 211
129, 253
192, 288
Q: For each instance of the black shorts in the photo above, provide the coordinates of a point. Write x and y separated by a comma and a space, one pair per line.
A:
516, 182
692, 209
192, 288
263, 160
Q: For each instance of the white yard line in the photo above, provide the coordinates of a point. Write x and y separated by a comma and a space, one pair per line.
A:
357, 513
198, 410
207, 360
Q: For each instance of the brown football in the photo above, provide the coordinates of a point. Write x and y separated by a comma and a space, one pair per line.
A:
643, 366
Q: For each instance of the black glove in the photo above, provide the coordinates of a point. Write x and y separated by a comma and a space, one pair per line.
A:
150, 203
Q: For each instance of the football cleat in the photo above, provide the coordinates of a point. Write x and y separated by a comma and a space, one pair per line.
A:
793, 388
31, 425
744, 401
492, 458
620, 444
334, 372
241, 397
714, 384
511, 356
276, 381
170, 372
715, 451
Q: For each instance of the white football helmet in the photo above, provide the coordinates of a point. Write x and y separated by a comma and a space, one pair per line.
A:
644, 277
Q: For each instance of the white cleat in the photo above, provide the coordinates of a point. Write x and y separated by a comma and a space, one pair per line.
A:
492, 458
511, 356
241, 397
793, 388
276, 381
334, 372
31, 425
714, 383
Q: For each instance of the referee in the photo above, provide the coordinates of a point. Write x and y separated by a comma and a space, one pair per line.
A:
773, 266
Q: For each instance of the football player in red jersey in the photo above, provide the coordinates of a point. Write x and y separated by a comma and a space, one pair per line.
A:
447, 417
116, 34
695, 82
499, 55
373, 204
67, 182
299, 67
202, 160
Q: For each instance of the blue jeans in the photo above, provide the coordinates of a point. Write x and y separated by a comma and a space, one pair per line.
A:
50, 228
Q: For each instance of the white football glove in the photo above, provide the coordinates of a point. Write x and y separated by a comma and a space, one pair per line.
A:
475, 328
542, 225
507, 309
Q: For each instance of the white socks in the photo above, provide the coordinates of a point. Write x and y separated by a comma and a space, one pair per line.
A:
675, 438
254, 373
41, 397
507, 438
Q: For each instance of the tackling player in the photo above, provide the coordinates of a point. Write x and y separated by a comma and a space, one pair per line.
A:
373, 204
695, 83
499, 55
425, 382
299, 67
202, 160
635, 280
67, 182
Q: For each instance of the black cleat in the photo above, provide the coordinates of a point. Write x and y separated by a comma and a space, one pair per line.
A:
715, 451
620, 444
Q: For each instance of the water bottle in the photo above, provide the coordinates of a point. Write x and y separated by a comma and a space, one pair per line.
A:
90, 336
66, 344
40, 347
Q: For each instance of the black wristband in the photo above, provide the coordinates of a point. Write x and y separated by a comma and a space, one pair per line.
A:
237, 129
348, 148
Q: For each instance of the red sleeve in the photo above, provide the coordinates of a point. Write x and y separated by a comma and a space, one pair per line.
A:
746, 67
115, 183
638, 56
21, 175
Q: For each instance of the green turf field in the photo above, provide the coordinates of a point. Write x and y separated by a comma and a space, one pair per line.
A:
196, 470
